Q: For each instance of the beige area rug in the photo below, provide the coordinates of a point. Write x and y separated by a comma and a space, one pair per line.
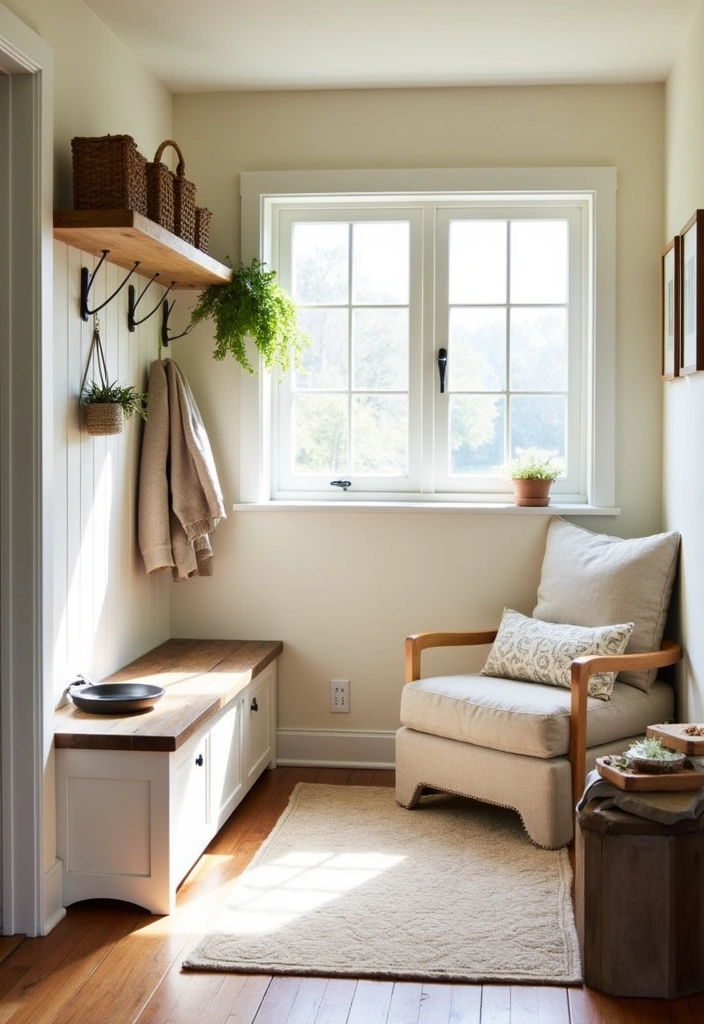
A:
350, 883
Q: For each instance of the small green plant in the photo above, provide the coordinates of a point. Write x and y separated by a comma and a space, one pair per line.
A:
535, 464
651, 748
252, 304
115, 394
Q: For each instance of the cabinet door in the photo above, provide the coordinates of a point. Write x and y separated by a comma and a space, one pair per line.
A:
258, 711
191, 830
226, 763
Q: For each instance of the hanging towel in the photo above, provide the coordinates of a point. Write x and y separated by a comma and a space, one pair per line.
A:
180, 500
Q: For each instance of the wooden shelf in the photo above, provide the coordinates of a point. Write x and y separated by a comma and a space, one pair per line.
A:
128, 237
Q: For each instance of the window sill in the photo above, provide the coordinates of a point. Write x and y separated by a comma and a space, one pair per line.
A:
467, 508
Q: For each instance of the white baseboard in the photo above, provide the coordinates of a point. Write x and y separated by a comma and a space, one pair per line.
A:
54, 910
335, 748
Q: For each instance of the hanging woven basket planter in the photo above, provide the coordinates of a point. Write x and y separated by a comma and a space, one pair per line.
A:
106, 404
103, 418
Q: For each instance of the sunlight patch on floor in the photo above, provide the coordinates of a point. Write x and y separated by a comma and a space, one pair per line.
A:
270, 897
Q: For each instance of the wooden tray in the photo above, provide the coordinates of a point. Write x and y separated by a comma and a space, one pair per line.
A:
676, 782
673, 735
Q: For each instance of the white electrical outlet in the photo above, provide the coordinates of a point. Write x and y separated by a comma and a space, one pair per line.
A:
339, 695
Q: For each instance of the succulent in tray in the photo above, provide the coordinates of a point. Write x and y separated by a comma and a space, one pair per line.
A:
651, 756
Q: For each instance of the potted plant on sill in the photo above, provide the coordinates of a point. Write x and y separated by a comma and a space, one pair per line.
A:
252, 304
533, 472
107, 404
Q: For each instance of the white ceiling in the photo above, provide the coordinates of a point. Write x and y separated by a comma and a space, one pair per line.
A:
320, 44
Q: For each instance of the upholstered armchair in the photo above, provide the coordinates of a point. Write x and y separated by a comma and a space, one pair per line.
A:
574, 682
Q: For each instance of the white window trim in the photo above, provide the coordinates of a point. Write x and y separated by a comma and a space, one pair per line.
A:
259, 187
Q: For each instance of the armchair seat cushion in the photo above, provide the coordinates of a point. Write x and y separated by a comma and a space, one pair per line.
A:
526, 718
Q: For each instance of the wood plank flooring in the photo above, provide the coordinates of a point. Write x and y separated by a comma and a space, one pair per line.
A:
112, 963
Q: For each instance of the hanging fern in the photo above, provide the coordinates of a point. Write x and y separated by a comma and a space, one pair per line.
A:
253, 305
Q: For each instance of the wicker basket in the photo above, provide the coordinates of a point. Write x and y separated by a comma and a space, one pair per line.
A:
203, 218
160, 191
171, 198
103, 418
108, 174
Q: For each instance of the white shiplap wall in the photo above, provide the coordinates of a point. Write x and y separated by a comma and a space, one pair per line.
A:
107, 611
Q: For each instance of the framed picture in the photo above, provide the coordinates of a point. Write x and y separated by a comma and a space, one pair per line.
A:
670, 305
692, 290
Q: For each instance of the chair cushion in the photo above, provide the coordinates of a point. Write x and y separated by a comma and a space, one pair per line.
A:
543, 652
526, 718
590, 579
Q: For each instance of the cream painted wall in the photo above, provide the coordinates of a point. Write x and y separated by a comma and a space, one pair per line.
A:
100, 87
342, 589
684, 398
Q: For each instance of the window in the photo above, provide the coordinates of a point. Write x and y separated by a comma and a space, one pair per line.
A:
450, 329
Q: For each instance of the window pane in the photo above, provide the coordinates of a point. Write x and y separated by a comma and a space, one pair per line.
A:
380, 263
539, 260
380, 349
320, 262
380, 435
477, 261
477, 434
320, 433
539, 421
539, 349
324, 364
477, 352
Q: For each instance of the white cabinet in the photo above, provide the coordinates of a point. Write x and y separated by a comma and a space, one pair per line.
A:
131, 823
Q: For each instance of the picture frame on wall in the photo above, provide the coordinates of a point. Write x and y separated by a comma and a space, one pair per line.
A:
670, 306
692, 291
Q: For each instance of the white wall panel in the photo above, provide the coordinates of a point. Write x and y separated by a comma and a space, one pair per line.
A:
106, 609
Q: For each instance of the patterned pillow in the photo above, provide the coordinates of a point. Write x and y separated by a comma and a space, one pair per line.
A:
542, 652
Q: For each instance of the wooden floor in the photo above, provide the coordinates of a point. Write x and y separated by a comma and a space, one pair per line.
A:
111, 963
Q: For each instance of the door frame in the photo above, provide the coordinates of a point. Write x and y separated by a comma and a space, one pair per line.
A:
26, 440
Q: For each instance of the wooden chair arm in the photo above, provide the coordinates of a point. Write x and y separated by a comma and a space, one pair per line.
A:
416, 644
582, 668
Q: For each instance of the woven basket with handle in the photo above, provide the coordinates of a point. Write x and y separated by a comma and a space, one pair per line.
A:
171, 198
108, 174
203, 218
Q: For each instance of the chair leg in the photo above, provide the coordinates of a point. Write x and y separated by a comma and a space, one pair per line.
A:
409, 795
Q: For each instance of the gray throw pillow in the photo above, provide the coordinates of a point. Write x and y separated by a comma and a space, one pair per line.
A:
543, 652
590, 579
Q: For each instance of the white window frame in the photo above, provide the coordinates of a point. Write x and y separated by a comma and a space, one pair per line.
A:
262, 190
284, 485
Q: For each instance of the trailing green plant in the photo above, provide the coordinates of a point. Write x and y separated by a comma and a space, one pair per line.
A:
252, 304
534, 464
652, 748
132, 401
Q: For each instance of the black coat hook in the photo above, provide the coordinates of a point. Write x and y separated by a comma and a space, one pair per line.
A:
165, 336
132, 303
87, 283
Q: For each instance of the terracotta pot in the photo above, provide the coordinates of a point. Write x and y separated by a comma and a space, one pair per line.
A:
532, 492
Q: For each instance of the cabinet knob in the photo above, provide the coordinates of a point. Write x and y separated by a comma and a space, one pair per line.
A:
199, 760
254, 706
